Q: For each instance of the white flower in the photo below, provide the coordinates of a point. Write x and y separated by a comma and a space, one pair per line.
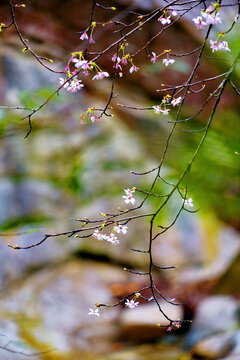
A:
165, 111
112, 239
82, 64
133, 68
214, 45
94, 312
211, 18
129, 199
198, 21
120, 229
101, 75
168, 61
223, 45
98, 235
188, 202
157, 109
75, 85
173, 12
129, 191
177, 101
131, 304
164, 20
62, 81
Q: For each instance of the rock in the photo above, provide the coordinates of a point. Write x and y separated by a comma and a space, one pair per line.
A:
50, 308
214, 346
214, 314
140, 324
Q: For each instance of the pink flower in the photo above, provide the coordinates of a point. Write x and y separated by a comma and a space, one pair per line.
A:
101, 75
124, 60
133, 68
164, 20
214, 45
177, 101
157, 109
131, 304
75, 85
93, 118
112, 239
153, 58
165, 111
114, 58
173, 12
82, 64
223, 45
198, 21
211, 18
168, 61
91, 40
84, 36
120, 229
169, 329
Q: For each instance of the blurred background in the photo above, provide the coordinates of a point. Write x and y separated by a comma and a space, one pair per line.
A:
64, 171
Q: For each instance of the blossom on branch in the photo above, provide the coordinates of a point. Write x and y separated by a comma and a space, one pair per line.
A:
120, 229
188, 202
101, 75
75, 85
94, 312
168, 61
128, 197
198, 21
176, 101
131, 304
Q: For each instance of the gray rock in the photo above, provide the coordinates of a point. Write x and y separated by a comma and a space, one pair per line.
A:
214, 315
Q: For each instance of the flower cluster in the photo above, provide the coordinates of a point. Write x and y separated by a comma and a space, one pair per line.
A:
128, 197
72, 86
167, 100
124, 59
219, 45
112, 238
165, 61
90, 114
208, 17
165, 18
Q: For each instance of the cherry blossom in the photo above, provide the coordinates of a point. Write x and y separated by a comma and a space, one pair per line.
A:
157, 109
120, 229
165, 111
124, 61
164, 20
198, 21
98, 235
221, 45
176, 101
62, 81
112, 239
154, 57
94, 312
129, 198
174, 13
131, 304
101, 75
211, 18
133, 68
188, 202
75, 85
91, 40
169, 328
168, 61
84, 36
82, 64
